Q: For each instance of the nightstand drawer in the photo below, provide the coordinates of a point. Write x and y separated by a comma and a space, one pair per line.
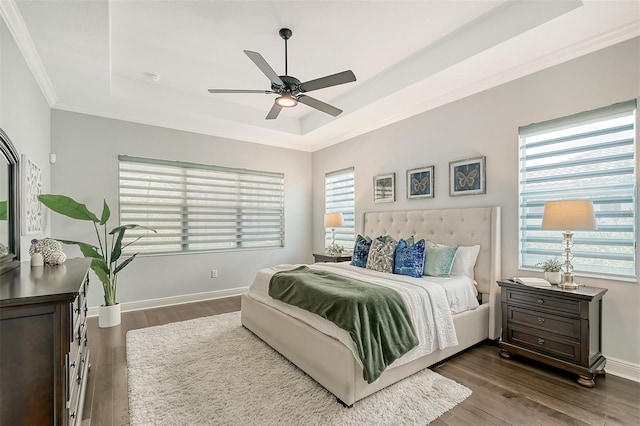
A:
569, 327
544, 343
539, 300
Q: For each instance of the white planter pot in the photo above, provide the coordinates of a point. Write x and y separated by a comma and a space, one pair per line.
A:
108, 316
553, 277
37, 259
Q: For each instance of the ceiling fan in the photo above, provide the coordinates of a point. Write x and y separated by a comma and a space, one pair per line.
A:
289, 88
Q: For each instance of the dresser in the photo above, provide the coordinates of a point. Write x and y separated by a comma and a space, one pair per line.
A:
561, 328
44, 354
321, 257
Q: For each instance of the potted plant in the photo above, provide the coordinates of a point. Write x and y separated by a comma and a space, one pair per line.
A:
552, 270
107, 259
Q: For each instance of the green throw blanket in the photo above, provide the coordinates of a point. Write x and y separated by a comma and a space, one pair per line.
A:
375, 316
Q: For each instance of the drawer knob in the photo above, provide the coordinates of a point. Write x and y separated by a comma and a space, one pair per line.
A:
540, 341
540, 320
540, 302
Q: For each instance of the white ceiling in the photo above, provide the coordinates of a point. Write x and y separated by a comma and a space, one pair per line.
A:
92, 56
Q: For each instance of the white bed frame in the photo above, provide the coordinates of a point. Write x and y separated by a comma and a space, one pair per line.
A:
332, 364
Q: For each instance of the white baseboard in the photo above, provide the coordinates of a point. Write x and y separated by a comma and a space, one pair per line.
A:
624, 369
173, 300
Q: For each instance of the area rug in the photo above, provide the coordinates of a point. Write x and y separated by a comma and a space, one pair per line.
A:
213, 371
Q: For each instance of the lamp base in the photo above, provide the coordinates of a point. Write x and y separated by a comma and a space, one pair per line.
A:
568, 282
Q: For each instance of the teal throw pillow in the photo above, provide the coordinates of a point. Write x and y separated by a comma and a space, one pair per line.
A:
439, 259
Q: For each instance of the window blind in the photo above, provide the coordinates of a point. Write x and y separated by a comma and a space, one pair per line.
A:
588, 156
198, 207
339, 197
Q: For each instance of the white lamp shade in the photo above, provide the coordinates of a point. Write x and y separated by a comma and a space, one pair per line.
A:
570, 214
333, 220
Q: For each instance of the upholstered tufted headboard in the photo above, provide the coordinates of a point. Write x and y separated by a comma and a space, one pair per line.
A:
464, 226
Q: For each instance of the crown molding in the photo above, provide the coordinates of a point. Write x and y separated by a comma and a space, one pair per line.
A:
13, 19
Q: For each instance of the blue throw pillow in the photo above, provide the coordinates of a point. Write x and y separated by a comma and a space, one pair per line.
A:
439, 259
361, 251
409, 258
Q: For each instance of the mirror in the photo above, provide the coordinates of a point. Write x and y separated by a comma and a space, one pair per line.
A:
9, 205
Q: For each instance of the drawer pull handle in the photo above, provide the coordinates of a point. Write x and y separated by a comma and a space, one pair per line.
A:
540, 320
540, 341
540, 302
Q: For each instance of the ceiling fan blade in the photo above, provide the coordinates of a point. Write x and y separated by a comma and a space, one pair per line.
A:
273, 113
319, 105
238, 91
328, 81
264, 67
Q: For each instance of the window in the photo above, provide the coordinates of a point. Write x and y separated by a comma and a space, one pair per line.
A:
339, 197
197, 207
588, 156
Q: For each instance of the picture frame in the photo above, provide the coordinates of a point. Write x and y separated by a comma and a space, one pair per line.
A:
467, 177
31, 188
384, 188
420, 183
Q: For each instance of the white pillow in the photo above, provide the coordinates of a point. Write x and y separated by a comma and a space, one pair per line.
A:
465, 261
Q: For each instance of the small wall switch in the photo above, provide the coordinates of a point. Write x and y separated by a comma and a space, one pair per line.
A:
214, 273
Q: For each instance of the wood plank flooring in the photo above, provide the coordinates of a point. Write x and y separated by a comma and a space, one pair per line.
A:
505, 392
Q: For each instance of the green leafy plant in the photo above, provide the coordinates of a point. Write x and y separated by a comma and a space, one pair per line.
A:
551, 265
107, 259
334, 250
3, 210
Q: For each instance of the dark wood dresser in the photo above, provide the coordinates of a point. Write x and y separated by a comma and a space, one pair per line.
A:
558, 327
44, 354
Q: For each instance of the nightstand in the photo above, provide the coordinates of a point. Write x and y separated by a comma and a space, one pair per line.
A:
321, 257
558, 327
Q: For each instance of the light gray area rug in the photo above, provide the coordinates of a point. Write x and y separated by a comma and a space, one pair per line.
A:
212, 371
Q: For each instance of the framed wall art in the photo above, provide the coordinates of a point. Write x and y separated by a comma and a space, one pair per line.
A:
384, 188
31, 188
467, 177
420, 183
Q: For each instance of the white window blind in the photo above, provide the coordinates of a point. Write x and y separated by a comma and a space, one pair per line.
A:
197, 207
339, 197
588, 156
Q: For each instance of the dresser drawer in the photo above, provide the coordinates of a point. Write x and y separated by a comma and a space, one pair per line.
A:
564, 326
544, 301
544, 343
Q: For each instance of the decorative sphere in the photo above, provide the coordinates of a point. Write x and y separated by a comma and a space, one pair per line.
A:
57, 258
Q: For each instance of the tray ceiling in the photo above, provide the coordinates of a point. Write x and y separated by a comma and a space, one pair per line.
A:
96, 57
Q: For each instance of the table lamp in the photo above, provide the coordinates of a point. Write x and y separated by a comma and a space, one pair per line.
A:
568, 215
333, 221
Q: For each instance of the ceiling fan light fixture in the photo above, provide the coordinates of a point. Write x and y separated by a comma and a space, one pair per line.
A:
286, 100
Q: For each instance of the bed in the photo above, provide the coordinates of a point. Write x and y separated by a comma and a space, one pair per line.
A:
331, 363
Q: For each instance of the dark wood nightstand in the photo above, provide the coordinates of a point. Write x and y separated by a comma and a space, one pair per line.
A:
321, 257
558, 327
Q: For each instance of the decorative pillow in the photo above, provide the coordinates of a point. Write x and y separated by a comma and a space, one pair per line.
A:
409, 258
439, 259
465, 261
381, 254
361, 251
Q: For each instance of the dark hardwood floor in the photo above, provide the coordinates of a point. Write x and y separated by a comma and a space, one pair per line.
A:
505, 392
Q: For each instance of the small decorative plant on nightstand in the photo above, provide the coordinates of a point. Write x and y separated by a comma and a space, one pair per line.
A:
552, 270
334, 250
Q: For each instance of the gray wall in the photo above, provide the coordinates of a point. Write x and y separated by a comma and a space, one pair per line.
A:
487, 124
24, 115
87, 149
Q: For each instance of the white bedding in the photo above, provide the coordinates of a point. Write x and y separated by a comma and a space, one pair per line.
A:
430, 301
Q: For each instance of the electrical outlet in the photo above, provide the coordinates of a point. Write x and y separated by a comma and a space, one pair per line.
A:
214, 273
